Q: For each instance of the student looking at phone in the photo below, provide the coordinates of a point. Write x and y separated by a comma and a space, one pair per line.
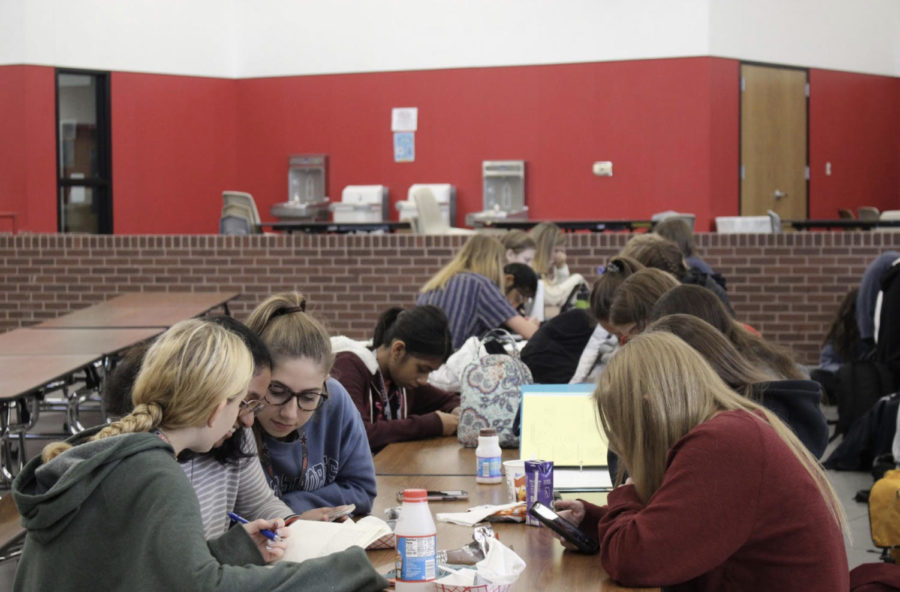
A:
113, 510
311, 439
722, 495
389, 382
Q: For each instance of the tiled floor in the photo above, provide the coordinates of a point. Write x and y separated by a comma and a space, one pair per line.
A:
859, 546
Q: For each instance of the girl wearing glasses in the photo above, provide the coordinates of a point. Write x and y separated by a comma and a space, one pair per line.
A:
389, 383
312, 442
114, 511
229, 478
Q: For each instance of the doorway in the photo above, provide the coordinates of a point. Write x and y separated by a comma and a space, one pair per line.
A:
774, 141
84, 190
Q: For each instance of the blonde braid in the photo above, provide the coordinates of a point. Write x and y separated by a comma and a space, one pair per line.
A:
143, 418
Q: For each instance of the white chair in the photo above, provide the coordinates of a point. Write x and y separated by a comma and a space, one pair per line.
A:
889, 215
244, 199
429, 219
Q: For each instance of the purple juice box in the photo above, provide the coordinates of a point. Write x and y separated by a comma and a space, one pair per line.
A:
538, 486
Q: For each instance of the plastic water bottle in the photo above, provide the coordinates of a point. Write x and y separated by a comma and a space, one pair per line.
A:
488, 456
416, 560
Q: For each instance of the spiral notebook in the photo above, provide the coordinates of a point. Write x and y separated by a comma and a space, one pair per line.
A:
560, 423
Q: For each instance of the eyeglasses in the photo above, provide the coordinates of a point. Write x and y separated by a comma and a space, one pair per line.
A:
279, 394
254, 406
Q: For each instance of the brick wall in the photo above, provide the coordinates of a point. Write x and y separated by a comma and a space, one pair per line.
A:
787, 286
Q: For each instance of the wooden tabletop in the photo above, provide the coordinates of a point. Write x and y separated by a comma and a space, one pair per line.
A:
98, 342
21, 374
549, 566
436, 456
142, 310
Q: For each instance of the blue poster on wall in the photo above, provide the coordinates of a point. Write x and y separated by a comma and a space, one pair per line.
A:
404, 147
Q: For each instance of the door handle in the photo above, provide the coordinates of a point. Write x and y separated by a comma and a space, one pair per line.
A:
779, 194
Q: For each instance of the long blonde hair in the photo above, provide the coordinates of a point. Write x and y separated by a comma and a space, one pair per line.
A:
482, 254
655, 390
516, 240
289, 331
187, 372
547, 236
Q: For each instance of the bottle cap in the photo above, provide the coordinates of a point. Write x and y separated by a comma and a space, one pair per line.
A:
487, 432
415, 495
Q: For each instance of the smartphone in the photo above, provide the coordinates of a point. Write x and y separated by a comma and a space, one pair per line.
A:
564, 528
446, 495
340, 512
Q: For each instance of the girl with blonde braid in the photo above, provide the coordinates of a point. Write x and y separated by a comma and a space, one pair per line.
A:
111, 509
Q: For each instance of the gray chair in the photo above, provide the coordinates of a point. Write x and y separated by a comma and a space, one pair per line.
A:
776, 221
845, 214
235, 225
868, 213
660, 216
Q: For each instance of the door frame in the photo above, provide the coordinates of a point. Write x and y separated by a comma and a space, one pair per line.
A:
104, 149
741, 65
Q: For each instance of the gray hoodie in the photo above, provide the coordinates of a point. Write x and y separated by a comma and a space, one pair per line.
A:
119, 514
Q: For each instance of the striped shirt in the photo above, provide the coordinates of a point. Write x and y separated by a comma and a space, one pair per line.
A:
239, 487
472, 303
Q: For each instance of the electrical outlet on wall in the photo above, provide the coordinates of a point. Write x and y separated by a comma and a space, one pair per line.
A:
603, 168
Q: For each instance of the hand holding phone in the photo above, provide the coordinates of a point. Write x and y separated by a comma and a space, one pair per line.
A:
340, 512
564, 528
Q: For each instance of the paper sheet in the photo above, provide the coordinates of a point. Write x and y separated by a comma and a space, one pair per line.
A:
309, 539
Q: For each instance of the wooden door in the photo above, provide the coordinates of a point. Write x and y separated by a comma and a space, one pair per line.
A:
774, 141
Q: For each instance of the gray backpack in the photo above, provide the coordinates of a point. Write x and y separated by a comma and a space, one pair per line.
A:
490, 394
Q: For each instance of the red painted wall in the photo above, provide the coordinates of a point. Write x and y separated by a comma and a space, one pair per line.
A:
173, 151
28, 149
855, 125
669, 127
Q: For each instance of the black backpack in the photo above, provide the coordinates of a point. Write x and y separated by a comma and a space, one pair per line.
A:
887, 349
857, 386
553, 352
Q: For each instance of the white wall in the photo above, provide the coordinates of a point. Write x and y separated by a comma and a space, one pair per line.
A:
249, 38
194, 37
12, 32
858, 35
289, 37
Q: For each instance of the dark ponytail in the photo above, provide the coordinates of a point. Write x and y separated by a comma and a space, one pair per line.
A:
424, 329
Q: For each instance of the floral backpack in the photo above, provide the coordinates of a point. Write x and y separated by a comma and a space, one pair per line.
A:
491, 393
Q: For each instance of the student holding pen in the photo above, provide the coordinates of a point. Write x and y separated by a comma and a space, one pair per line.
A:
114, 511
228, 477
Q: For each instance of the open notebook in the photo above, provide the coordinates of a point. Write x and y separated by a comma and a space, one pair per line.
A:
560, 423
311, 539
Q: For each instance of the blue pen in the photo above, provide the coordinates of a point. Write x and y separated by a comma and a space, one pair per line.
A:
265, 531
